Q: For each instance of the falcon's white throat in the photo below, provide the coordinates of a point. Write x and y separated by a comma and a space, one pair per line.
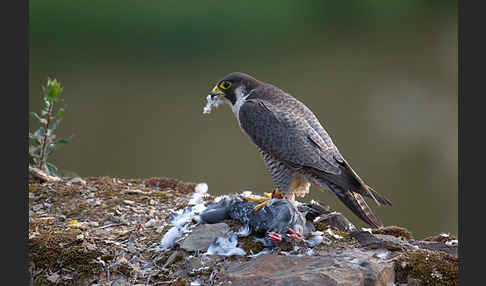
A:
241, 95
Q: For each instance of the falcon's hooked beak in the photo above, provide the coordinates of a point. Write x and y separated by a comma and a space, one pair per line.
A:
217, 93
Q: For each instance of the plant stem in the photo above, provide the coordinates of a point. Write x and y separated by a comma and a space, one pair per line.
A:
43, 158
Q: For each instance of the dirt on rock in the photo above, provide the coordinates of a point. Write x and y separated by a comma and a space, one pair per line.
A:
108, 231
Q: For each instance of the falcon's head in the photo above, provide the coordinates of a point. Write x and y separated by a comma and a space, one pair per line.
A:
231, 89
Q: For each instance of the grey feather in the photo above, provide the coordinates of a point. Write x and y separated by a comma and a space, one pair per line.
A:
284, 133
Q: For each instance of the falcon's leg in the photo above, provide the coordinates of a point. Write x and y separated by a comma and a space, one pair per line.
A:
267, 197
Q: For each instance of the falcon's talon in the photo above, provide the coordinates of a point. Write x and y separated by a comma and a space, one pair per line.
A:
263, 201
259, 206
259, 200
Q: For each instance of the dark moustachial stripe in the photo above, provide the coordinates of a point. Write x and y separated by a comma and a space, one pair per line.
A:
231, 97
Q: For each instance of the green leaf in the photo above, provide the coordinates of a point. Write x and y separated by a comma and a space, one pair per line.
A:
46, 104
39, 132
53, 88
60, 113
53, 126
51, 169
33, 161
49, 148
34, 150
35, 140
61, 141
35, 116
40, 119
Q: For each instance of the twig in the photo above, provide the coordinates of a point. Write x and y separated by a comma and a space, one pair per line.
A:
110, 225
166, 282
41, 175
43, 159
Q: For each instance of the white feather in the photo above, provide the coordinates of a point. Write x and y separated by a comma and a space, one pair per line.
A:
241, 96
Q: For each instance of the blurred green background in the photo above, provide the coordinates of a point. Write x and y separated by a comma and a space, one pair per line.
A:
380, 75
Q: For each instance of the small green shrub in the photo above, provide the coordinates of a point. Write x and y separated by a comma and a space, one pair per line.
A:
43, 141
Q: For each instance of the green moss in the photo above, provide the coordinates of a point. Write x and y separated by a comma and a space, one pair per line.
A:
33, 187
107, 257
76, 210
209, 198
234, 225
320, 226
125, 269
249, 245
246, 243
161, 196
180, 282
165, 183
396, 231
434, 268
58, 249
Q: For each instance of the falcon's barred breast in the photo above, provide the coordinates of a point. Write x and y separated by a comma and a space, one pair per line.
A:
296, 149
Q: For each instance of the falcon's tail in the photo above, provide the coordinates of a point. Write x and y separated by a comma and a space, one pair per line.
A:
379, 198
348, 180
354, 201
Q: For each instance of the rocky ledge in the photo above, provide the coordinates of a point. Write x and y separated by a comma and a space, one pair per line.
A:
110, 231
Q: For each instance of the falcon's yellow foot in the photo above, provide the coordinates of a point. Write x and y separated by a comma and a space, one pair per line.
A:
263, 201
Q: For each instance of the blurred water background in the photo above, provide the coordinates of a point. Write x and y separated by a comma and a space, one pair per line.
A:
380, 75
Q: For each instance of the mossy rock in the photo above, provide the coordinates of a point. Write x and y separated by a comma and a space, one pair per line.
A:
435, 268
58, 249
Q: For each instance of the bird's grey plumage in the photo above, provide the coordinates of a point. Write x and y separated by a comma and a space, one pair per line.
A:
295, 146
284, 176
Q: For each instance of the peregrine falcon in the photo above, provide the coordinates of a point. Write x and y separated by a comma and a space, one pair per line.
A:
295, 147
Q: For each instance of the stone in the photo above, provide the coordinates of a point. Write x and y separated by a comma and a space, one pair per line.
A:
203, 235
120, 282
413, 282
355, 267
436, 246
172, 258
129, 202
390, 242
377, 241
77, 181
337, 221
54, 277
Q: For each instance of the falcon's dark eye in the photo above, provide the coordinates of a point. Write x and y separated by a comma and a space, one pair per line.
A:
225, 84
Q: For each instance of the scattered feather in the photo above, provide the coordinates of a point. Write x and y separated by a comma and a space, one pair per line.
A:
309, 252
244, 231
366, 229
381, 255
168, 240
225, 246
314, 240
444, 234
264, 251
332, 234
453, 242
